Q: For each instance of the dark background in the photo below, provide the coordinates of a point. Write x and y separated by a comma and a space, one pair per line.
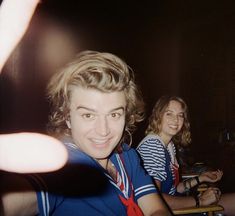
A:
184, 48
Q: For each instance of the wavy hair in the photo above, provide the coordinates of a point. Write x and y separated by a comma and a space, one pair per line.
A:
102, 71
155, 119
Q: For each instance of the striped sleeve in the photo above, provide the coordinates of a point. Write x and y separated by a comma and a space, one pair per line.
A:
153, 156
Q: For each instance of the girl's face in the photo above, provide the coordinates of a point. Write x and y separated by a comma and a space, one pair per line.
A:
172, 121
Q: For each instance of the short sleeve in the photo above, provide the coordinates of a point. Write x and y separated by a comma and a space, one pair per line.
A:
141, 181
153, 157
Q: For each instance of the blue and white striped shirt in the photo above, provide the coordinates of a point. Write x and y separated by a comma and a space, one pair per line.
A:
157, 160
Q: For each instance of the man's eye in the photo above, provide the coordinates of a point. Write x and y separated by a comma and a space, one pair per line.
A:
115, 115
88, 116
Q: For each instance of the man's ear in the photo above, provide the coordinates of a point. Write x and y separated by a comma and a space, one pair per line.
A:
68, 124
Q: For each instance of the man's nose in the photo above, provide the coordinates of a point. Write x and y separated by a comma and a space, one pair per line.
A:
102, 126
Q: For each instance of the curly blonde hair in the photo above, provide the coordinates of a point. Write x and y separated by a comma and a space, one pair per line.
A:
104, 72
155, 119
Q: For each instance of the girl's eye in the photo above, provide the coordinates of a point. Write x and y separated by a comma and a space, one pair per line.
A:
169, 114
181, 116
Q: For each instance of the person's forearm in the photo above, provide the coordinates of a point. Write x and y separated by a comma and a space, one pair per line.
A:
15, 16
17, 196
187, 185
176, 202
180, 188
162, 213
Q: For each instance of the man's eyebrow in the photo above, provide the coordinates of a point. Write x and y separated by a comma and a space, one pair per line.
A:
86, 108
93, 110
118, 108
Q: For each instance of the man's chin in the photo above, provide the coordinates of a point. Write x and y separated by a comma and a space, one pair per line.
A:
102, 156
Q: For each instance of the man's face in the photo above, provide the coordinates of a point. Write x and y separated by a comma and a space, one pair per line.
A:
97, 120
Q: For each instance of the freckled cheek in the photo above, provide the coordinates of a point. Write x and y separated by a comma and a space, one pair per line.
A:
181, 124
165, 121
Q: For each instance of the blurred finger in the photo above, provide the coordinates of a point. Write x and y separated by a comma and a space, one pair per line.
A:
31, 152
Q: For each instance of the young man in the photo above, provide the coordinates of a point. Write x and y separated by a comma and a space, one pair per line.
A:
95, 106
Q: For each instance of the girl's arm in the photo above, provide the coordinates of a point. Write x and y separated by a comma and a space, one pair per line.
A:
208, 176
210, 196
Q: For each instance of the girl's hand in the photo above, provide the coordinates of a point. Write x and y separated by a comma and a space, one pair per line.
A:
210, 196
211, 176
